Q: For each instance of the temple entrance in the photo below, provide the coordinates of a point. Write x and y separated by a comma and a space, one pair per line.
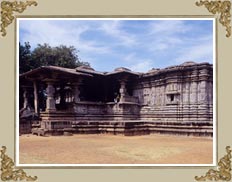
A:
112, 90
93, 89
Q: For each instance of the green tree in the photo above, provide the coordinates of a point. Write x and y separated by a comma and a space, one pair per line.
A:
25, 58
45, 55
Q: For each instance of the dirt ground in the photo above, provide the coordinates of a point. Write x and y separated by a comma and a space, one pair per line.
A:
115, 149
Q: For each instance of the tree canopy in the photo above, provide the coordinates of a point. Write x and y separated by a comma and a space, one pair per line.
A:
45, 55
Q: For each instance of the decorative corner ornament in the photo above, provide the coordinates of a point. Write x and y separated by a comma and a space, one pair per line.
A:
7, 169
224, 169
221, 7
7, 12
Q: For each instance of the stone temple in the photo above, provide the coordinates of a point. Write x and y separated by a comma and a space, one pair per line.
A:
174, 100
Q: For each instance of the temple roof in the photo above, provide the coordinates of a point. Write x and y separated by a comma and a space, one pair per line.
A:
189, 65
87, 71
46, 69
123, 70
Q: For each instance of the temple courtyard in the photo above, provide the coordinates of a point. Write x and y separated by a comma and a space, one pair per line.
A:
115, 149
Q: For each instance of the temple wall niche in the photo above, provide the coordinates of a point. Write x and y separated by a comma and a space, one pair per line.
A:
161, 95
139, 94
147, 96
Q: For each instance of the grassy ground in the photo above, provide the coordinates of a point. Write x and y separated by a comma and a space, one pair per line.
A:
115, 149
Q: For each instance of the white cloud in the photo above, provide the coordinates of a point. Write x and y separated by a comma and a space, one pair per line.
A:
166, 34
114, 29
198, 53
117, 43
40, 32
168, 27
130, 58
135, 62
163, 43
142, 66
177, 38
48, 32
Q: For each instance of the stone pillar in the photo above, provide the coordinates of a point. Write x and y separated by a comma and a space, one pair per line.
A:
36, 101
62, 95
76, 90
193, 107
203, 96
194, 88
203, 92
203, 86
76, 93
122, 91
25, 99
50, 103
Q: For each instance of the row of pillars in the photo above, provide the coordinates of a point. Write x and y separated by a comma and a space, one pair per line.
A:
25, 98
50, 91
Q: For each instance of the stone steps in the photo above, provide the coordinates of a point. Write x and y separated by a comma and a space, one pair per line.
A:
131, 128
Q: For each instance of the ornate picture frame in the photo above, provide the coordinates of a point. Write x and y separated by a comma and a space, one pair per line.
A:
221, 11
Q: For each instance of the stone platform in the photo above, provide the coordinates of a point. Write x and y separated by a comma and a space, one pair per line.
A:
132, 128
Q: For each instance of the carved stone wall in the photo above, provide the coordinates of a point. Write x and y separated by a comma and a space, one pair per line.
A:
181, 93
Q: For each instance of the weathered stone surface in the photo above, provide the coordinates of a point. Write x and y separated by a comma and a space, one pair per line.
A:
174, 100
50, 98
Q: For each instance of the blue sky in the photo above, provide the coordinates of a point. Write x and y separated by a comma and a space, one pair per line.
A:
139, 45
